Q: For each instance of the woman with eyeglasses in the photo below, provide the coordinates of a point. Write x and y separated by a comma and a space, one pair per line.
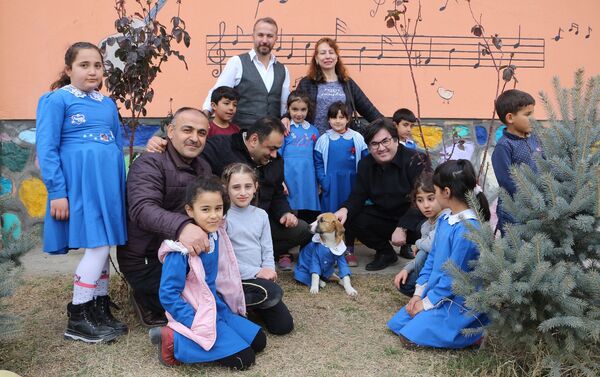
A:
379, 208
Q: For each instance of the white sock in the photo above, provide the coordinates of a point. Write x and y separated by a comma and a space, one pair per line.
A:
102, 286
87, 274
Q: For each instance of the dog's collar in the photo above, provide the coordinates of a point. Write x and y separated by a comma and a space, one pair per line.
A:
337, 250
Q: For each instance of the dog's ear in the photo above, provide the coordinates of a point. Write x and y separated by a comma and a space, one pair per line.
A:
339, 231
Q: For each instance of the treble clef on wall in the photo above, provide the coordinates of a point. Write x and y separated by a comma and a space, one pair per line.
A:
216, 54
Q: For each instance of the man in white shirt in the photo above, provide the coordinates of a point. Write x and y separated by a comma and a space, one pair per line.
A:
262, 82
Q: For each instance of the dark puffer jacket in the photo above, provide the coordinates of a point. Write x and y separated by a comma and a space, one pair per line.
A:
155, 204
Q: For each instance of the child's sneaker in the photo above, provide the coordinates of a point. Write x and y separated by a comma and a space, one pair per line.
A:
285, 262
163, 338
351, 259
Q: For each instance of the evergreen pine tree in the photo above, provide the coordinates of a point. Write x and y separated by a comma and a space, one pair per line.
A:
10, 252
540, 284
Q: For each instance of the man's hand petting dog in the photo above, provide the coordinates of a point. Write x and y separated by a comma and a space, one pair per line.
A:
267, 274
342, 215
288, 220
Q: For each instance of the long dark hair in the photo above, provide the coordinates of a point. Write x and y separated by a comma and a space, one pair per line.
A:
70, 57
459, 176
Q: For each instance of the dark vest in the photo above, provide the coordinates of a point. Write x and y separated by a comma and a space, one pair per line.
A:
255, 102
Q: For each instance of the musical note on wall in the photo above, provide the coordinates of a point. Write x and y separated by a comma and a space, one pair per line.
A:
589, 32
363, 50
558, 37
373, 12
434, 81
575, 27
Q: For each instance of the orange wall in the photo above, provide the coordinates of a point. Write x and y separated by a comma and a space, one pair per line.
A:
35, 34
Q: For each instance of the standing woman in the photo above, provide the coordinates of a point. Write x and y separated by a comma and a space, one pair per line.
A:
327, 81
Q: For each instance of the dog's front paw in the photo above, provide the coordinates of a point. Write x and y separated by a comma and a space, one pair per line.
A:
314, 290
322, 284
351, 292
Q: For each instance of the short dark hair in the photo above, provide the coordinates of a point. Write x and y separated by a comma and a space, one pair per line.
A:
337, 107
424, 182
224, 92
264, 126
378, 125
511, 101
206, 184
267, 20
459, 176
404, 114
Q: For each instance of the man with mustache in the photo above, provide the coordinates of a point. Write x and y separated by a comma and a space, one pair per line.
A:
155, 209
262, 82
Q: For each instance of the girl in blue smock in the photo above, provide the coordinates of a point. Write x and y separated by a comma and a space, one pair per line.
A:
435, 316
297, 153
202, 294
79, 149
337, 154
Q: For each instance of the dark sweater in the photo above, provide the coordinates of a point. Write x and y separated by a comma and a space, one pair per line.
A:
155, 204
221, 151
363, 105
387, 188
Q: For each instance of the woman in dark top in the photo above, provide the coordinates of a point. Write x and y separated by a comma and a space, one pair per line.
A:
327, 81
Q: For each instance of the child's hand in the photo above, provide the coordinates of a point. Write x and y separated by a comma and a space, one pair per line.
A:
156, 145
267, 274
411, 304
400, 278
285, 189
194, 239
414, 249
416, 308
59, 209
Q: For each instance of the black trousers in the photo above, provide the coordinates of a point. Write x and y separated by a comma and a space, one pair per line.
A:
145, 284
246, 357
375, 231
286, 238
264, 299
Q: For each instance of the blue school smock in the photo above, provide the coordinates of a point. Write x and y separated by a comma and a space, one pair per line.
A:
316, 258
299, 168
234, 332
79, 147
442, 325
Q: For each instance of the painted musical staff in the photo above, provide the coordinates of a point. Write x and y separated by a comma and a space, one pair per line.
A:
365, 50
518, 44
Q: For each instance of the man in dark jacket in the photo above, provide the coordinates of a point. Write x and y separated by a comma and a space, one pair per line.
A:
155, 208
258, 147
379, 208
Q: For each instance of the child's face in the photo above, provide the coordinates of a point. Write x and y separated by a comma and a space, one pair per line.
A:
404, 130
225, 109
86, 71
207, 211
339, 124
428, 204
298, 111
518, 124
442, 196
241, 189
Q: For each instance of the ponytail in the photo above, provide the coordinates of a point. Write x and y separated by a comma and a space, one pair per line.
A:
459, 176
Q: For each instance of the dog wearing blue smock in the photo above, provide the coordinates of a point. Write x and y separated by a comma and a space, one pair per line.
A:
317, 259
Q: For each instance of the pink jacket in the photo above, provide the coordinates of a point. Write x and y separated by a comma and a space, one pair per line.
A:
197, 293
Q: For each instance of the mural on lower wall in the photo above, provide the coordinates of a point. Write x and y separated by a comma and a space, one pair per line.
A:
21, 184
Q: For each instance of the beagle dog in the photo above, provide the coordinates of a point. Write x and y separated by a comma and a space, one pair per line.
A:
317, 259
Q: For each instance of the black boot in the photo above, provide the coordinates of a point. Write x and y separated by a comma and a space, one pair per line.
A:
84, 326
102, 306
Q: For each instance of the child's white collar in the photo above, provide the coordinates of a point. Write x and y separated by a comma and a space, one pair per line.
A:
337, 250
178, 246
94, 94
467, 214
334, 135
304, 125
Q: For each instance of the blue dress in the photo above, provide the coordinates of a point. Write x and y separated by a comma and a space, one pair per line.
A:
316, 258
79, 148
442, 325
299, 167
234, 332
337, 172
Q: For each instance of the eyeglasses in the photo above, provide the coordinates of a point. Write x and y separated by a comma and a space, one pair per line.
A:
385, 143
